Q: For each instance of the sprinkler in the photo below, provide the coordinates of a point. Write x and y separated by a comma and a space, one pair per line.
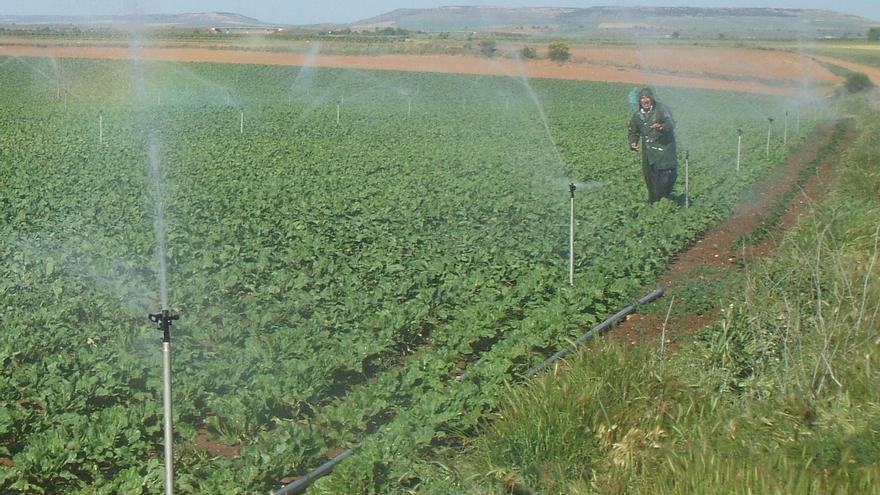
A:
769, 128
687, 157
164, 320
785, 133
241, 121
571, 189
100, 127
739, 143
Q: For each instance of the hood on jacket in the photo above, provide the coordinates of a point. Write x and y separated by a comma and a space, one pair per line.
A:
646, 91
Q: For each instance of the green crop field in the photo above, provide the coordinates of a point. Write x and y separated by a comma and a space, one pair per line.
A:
340, 245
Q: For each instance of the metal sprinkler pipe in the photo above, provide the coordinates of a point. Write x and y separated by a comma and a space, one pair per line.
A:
100, 127
571, 189
739, 143
785, 133
164, 320
687, 156
769, 127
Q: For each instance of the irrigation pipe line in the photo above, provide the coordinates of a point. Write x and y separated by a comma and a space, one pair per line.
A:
300, 485
597, 330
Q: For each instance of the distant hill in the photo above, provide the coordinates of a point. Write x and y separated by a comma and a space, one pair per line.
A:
225, 20
688, 22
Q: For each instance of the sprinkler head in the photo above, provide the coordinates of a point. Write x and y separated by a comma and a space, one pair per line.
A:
687, 154
163, 320
739, 132
770, 119
571, 188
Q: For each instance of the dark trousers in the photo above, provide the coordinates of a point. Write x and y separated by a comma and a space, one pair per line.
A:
659, 182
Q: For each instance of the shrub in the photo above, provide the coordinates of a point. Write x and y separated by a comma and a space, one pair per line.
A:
528, 52
857, 82
559, 52
487, 47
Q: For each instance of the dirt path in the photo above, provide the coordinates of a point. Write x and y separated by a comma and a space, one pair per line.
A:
716, 252
729, 69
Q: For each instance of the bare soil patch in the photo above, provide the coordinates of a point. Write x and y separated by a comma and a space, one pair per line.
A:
729, 69
207, 442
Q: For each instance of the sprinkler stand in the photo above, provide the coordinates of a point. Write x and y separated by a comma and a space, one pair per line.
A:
785, 133
571, 189
687, 157
100, 128
164, 320
769, 127
739, 143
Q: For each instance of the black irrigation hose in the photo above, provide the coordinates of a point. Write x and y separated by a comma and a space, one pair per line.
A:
597, 330
301, 484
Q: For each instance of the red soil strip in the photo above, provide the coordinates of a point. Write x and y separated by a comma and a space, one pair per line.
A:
729, 69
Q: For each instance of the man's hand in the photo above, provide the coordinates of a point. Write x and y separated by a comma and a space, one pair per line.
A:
634, 146
657, 126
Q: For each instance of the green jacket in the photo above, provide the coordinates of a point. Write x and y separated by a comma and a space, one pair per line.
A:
659, 145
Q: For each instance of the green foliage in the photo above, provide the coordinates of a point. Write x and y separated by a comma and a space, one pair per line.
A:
559, 52
874, 34
487, 48
857, 82
528, 52
333, 279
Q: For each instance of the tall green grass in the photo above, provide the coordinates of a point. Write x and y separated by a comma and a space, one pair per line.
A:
781, 395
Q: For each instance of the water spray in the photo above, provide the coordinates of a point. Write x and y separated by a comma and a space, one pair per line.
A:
769, 128
571, 189
739, 144
164, 320
687, 157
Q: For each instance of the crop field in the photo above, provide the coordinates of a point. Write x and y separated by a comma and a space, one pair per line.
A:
341, 247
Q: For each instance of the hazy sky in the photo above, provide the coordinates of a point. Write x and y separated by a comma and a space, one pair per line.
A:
308, 12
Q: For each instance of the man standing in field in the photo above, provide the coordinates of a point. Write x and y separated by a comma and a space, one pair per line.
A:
652, 130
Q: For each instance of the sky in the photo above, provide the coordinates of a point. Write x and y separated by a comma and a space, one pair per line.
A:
344, 11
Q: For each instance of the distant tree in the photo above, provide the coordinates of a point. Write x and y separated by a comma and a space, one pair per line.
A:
676, 34
874, 34
528, 52
857, 82
487, 48
559, 52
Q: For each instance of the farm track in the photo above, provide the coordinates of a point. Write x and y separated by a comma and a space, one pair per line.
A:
726, 69
719, 251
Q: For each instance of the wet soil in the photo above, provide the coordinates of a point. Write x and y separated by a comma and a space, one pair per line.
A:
208, 442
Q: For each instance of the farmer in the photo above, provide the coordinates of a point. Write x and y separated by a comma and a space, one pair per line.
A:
652, 130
